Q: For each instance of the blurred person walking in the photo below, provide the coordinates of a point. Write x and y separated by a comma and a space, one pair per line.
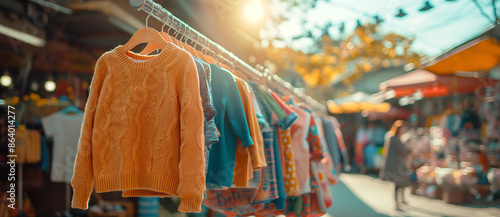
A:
395, 163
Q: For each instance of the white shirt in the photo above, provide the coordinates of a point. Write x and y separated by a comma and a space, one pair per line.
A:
65, 129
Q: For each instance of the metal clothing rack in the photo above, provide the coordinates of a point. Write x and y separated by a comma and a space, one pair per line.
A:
218, 52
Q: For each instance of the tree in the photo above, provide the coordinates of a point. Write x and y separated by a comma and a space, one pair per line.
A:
365, 50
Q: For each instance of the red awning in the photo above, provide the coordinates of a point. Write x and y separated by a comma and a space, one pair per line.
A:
432, 85
394, 113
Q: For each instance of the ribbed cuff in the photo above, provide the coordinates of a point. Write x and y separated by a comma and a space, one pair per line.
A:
288, 121
247, 142
80, 200
144, 193
190, 204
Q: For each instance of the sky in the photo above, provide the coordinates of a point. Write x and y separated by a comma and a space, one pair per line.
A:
448, 24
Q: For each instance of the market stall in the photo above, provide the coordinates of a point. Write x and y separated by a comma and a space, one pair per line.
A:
454, 140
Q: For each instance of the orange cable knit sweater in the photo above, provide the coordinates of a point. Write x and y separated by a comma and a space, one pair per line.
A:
143, 128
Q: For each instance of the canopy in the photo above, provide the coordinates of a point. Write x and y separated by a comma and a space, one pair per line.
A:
393, 114
357, 102
481, 54
432, 85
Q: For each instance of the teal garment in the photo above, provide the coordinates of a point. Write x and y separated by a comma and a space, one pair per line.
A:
276, 108
148, 206
284, 120
231, 122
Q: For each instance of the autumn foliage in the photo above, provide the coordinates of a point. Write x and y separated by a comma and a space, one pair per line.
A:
365, 50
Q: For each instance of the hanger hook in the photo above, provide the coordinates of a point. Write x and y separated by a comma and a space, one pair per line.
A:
186, 38
204, 49
218, 52
197, 41
147, 18
172, 21
179, 30
165, 23
183, 31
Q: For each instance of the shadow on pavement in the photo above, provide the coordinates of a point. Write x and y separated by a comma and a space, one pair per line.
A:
346, 203
426, 212
486, 205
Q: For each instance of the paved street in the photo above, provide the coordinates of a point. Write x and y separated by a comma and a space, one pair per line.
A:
360, 195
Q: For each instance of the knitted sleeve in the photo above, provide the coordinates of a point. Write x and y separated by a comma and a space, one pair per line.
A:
277, 110
236, 114
83, 175
291, 116
192, 160
257, 150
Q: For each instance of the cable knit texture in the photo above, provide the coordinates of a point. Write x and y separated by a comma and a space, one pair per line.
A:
142, 129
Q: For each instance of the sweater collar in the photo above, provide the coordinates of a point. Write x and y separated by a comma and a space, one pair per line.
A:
134, 60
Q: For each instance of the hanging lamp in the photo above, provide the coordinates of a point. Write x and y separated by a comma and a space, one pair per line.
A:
401, 13
427, 6
377, 19
358, 24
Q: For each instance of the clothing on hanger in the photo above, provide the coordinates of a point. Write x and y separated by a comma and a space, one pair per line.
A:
252, 156
169, 124
65, 131
231, 122
131, 106
300, 132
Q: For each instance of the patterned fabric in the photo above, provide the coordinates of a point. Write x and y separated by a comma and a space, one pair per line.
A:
268, 136
306, 204
243, 201
323, 194
233, 201
280, 178
271, 117
289, 169
268, 188
314, 179
314, 141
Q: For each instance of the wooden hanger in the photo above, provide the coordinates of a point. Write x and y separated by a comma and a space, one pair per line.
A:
152, 47
146, 34
143, 35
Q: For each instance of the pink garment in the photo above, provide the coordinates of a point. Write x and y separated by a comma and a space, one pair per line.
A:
338, 134
300, 130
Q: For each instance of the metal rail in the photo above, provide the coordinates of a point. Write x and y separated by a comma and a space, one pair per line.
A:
164, 16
